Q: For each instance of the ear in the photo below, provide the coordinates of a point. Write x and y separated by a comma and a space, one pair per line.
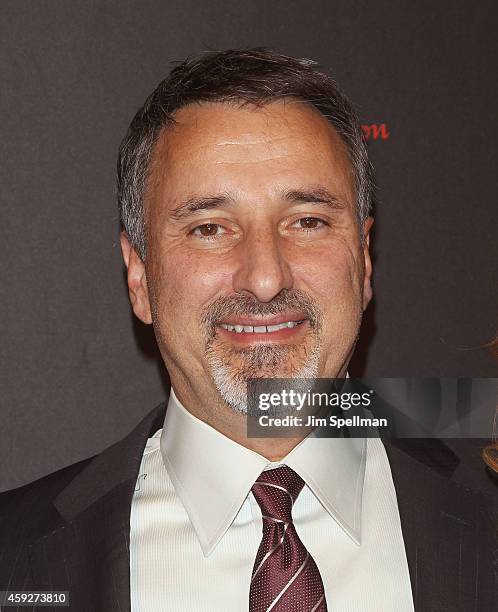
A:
367, 282
137, 280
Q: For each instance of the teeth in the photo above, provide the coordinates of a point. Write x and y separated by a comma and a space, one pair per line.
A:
272, 328
260, 329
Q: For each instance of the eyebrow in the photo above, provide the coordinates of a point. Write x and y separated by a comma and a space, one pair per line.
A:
314, 195
195, 204
317, 195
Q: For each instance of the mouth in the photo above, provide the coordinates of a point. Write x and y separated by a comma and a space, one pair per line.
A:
261, 329
272, 329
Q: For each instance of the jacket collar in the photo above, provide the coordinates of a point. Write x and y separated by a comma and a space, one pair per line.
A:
116, 465
85, 548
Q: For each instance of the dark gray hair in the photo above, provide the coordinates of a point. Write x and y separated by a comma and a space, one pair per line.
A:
246, 76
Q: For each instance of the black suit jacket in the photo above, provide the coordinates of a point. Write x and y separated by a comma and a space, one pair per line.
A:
70, 529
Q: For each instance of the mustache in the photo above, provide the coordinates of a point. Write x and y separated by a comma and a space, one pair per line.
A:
246, 305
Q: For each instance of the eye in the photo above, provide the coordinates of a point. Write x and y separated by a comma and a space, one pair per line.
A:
309, 223
208, 230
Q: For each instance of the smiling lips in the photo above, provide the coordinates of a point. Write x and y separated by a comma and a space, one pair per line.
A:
261, 329
277, 327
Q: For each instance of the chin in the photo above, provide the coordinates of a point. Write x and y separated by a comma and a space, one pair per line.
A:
231, 372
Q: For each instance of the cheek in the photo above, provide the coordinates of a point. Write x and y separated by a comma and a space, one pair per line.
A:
332, 275
186, 282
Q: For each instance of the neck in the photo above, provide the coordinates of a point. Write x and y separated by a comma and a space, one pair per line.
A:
273, 449
233, 425
206, 405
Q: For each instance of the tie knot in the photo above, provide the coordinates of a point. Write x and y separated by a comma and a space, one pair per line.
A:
276, 491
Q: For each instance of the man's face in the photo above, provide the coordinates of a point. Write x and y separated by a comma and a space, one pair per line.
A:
255, 266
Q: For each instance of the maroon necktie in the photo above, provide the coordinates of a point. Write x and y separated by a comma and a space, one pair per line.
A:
285, 577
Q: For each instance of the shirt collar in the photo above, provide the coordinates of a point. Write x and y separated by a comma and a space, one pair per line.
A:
212, 475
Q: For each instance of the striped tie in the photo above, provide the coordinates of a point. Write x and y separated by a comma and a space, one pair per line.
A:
285, 577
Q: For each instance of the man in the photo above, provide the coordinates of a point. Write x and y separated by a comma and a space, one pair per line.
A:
245, 192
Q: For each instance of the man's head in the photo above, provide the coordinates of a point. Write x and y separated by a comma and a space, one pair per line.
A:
244, 191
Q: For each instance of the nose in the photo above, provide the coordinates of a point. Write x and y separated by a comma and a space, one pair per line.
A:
263, 270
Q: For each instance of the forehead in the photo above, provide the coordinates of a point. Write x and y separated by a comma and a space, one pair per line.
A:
225, 145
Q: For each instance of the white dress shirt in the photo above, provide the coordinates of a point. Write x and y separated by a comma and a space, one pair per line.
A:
195, 526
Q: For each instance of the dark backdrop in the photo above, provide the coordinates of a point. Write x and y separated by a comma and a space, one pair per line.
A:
76, 372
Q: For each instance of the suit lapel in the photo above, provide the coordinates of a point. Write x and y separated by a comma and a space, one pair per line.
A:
447, 529
86, 545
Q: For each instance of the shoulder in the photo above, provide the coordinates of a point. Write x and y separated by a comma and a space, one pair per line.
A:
33, 512
446, 473
26, 507
25, 513
472, 471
